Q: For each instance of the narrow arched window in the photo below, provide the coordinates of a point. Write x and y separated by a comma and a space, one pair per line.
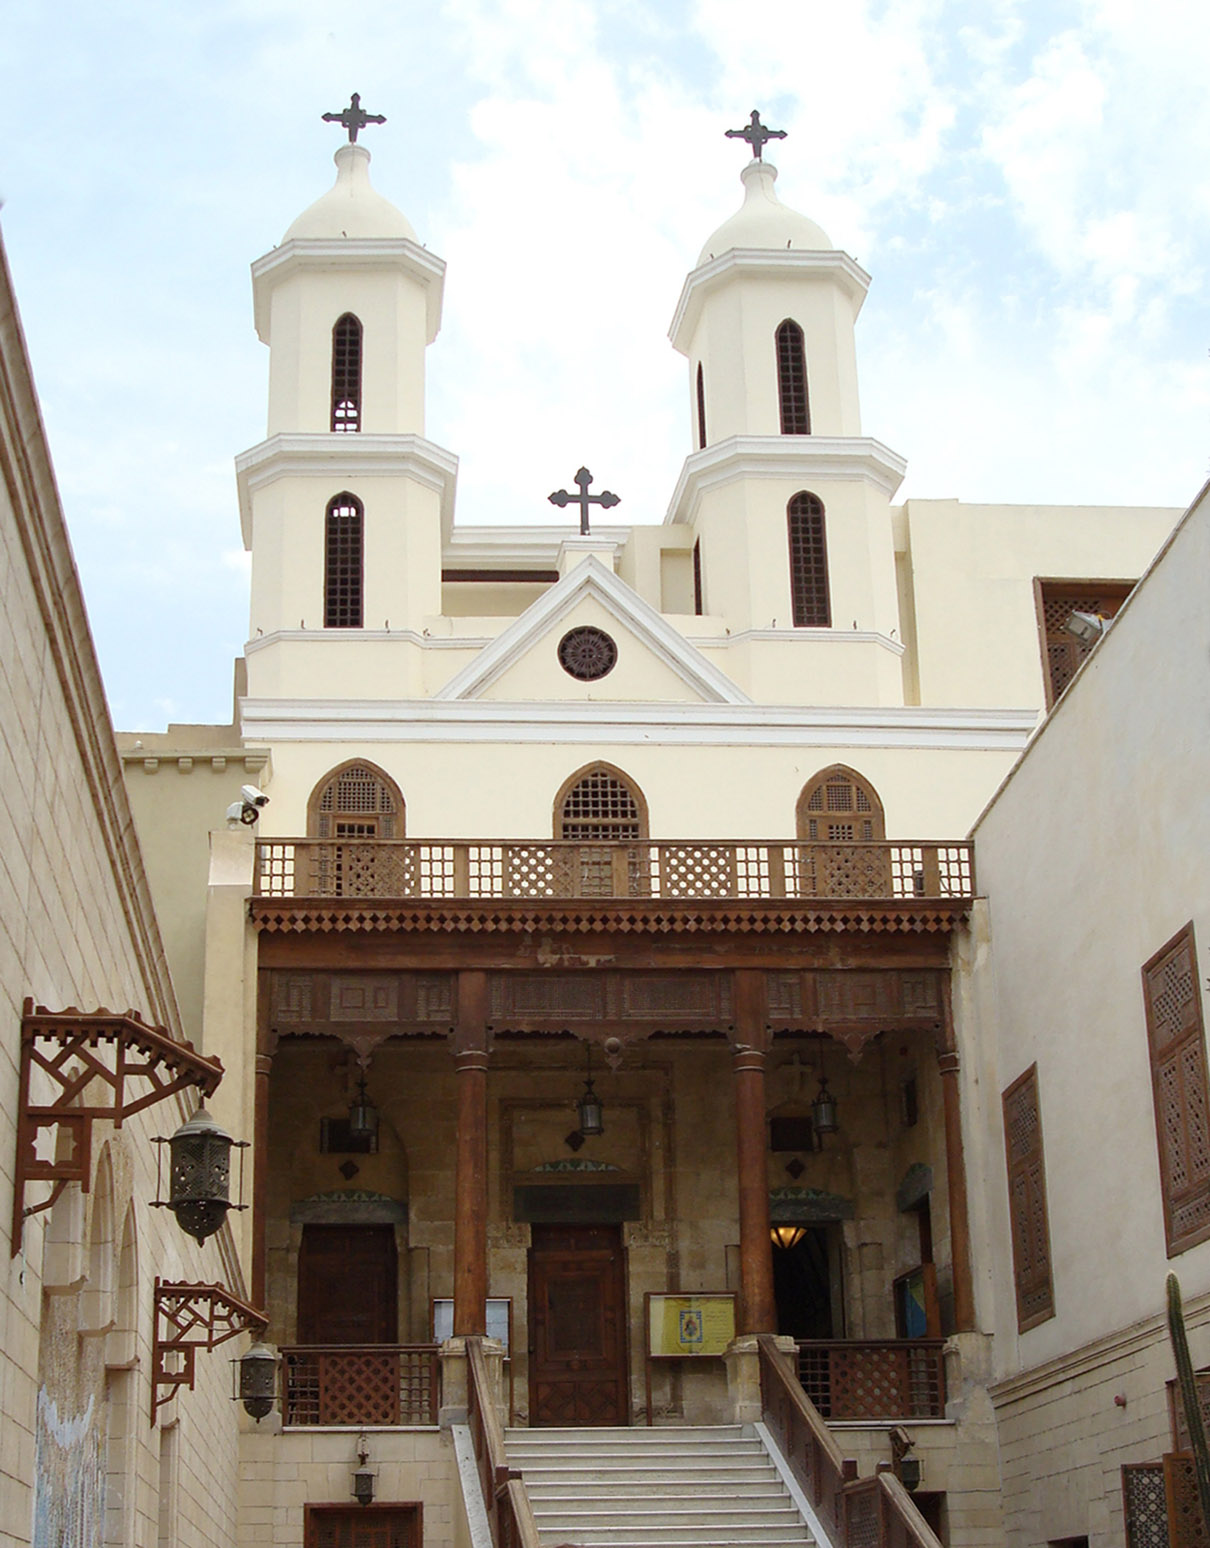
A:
697, 578
356, 800
838, 806
597, 803
346, 373
343, 543
701, 408
809, 597
792, 380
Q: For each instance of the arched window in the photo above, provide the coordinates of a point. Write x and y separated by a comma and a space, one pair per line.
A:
792, 380
346, 373
356, 801
343, 562
701, 408
697, 578
810, 601
839, 807
597, 803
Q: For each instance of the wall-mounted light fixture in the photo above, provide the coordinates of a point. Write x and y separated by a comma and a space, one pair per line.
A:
823, 1108
255, 1376
787, 1236
363, 1478
907, 1467
199, 1185
363, 1115
592, 1118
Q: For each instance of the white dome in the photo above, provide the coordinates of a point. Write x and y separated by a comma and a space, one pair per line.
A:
764, 221
351, 208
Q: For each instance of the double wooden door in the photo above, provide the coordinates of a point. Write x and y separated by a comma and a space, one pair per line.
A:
577, 1323
348, 1285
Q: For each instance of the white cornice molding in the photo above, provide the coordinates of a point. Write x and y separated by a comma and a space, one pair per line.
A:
763, 263
341, 458
590, 578
319, 253
577, 722
802, 458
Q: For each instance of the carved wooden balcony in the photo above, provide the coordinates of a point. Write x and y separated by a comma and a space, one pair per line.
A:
908, 871
899, 1378
359, 1384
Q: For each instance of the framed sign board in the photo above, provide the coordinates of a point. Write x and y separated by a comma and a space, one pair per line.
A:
499, 1320
686, 1327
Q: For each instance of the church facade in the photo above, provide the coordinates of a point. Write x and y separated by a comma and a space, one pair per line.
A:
586, 985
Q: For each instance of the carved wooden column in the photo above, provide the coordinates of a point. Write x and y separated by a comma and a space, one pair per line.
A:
955, 1169
758, 1309
266, 1046
470, 1175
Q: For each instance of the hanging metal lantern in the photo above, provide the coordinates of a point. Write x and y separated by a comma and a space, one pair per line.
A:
256, 1380
363, 1478
787, 1236
823, 1109
199, 1187
592, 1118
363, 1115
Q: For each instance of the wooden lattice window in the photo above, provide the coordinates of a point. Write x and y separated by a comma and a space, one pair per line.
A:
343, 562
346, 373
1027, 1201
839, 807
1177, 1043
701, 408
810, 600
792, 380
697, 578
356, 801
1056, 601
600, 803
1144, 1505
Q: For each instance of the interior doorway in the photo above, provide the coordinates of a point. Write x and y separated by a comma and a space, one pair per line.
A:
348, 1285
806, 1282
577, 1326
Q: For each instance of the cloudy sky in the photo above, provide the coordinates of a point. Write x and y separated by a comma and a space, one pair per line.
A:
1028, 181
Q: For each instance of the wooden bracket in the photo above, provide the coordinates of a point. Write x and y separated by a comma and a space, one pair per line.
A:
70, 1051
190, 1317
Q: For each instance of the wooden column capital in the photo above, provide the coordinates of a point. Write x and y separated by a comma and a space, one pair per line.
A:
948, 1061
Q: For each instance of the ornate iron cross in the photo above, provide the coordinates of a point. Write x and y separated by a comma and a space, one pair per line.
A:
606, 499
353, 118
756, 134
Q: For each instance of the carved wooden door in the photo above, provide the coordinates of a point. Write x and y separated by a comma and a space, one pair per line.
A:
363, 1526
347, 1285
577, 1326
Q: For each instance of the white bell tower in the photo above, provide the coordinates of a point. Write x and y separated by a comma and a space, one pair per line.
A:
342, 504
789, 503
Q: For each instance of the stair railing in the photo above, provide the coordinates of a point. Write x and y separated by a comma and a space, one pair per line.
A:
509, 1513
856, 1513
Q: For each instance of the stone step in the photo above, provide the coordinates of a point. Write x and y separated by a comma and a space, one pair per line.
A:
663, 1454
563, 1488
597, 1514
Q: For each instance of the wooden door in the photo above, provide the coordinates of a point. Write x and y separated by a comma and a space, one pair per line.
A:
363, 1526
577, 1326
348, 1285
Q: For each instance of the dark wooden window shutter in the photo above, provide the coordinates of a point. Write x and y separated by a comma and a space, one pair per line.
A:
701, 409
343, 561
792, 380
1177, 1044
346, 374
810, 599
1027, 1201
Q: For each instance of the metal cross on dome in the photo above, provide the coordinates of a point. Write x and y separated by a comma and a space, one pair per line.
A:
353, 118
606, 499
756, 134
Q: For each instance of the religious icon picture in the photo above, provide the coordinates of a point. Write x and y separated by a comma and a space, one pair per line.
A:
691, 1327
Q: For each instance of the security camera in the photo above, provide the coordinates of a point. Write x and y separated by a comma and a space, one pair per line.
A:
1087, 627
248, 808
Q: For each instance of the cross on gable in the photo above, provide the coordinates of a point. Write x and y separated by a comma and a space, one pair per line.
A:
606, 499
756, 134
353, 118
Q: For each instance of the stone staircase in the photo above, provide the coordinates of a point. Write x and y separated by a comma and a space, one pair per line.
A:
685, 1487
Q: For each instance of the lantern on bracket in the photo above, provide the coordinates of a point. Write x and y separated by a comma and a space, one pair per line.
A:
363, 1115
255, 1380
823, 1108
363, 1477
592, 1118
199, 1183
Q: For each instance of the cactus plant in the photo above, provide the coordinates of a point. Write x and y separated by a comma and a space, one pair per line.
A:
1194, 1421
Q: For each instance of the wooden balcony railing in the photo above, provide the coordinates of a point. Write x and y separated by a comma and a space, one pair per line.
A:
509, 1513
359, 1384
726, 868
874, 1379
856, 1513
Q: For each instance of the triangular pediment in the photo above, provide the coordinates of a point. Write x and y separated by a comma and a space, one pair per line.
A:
654, 662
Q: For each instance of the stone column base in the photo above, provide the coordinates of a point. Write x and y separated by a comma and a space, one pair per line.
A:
742, 1360
455, 1378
